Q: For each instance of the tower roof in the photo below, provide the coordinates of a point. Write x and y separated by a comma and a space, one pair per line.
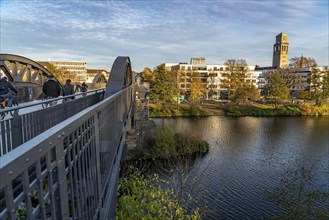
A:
282, 33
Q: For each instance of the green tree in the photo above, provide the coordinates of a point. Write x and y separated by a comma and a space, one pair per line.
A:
276, 88
319, 86
164, 88
325, 85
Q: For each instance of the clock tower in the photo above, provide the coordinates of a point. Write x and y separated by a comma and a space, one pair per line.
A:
280, 51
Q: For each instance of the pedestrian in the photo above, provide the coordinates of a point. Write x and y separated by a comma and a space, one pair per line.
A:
51, 88
4, 90
68, 88
83, 88
77, 88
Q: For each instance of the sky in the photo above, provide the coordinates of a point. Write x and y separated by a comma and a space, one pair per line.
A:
163, 31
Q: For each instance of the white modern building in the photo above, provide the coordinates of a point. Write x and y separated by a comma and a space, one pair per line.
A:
78, 69
211, 75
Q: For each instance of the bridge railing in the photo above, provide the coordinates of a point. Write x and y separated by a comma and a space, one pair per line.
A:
70, 170
20, 128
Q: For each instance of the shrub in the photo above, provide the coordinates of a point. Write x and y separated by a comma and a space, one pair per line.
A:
168, 144
142, 197
194, 111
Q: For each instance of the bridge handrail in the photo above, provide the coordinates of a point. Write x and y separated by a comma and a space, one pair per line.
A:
68, 171
40, 102
20, 128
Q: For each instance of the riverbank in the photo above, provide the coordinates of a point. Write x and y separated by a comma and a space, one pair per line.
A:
228, 109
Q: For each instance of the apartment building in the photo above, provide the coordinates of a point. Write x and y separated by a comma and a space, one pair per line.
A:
76, 69
299, 78
211, 76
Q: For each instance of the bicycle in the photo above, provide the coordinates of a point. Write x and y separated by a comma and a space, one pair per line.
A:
3, 105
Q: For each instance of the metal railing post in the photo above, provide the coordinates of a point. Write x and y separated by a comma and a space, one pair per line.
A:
16, 130
64, 205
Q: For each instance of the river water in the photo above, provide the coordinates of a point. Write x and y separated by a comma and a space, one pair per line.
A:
248, 155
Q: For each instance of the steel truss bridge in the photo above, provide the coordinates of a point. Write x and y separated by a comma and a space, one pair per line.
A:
62, 162
28, 76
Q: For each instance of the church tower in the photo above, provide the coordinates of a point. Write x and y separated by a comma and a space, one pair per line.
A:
280, 51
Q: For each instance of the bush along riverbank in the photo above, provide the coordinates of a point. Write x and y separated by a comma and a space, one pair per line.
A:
300, 110
168, 144
186, 110
144, 195
176, 111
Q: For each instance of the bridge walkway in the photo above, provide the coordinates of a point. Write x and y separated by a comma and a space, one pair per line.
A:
65, 164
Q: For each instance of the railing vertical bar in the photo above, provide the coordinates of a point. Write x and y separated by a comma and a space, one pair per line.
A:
81, 168
34, 125
51, 186
88, 166
70, 167
75, 176
10, 201
40, 189
23, 128
29, 118
98, 186
3, 149
27, 192
64, 212
86, 180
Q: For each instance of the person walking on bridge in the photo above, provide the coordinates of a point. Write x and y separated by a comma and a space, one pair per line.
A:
4, 90
68, 88
51, 87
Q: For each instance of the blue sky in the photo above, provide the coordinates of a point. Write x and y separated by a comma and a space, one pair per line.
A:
154, 32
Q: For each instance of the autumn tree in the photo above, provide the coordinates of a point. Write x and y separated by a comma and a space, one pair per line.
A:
302, 62
244, 93
198, 88
69, 75
58, 73
291, 73
147, 75
164, 87
276, 88
235, 74
235, 82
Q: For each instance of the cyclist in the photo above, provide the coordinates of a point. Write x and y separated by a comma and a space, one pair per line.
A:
4, 90
51, 87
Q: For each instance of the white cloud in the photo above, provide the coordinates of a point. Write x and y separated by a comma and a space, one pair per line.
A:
152, 32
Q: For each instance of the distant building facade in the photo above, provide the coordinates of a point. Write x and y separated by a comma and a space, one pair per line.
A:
211, 76
78, 69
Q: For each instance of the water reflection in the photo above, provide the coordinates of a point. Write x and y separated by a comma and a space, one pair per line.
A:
248, 155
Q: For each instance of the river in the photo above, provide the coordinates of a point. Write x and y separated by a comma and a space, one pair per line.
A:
248, 156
